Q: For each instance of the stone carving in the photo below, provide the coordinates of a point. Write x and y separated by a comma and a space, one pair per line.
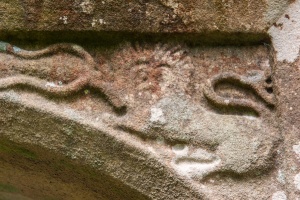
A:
256, 81
56, 77
197, 142
145, 66
172, 112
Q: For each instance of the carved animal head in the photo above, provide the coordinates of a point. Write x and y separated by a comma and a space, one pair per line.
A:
155, 84
143, 74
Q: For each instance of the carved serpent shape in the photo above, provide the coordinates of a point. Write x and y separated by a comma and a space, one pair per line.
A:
86, 76
257, 85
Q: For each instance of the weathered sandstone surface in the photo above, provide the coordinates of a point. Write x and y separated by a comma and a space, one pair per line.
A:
149, 99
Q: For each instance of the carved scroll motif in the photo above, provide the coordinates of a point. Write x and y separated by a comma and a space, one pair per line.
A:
82, 76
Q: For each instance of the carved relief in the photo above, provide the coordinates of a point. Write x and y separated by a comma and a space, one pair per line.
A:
256, 81
199, 142
171, 108
53, 70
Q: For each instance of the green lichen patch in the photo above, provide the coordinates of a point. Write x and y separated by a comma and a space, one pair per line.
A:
14, 149
8, 188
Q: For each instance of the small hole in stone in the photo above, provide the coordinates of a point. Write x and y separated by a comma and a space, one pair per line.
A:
269, 80
269, 90
145, 78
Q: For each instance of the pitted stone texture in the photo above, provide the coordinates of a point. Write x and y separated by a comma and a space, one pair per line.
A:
285, 34
141, 15
285, 39
288, 90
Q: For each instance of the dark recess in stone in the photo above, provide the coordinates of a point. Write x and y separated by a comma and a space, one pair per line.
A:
93, 38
